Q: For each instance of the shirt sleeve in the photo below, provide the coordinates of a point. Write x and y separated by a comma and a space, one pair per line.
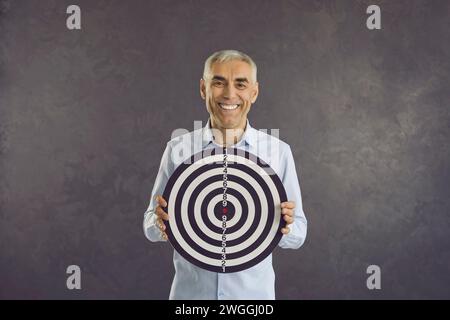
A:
151, 229
296, 237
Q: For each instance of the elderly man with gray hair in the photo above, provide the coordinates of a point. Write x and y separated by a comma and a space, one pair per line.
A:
229, 87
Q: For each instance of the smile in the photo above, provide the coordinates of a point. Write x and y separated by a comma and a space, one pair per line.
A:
229, 106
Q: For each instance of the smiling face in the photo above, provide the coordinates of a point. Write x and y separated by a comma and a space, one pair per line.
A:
229, 93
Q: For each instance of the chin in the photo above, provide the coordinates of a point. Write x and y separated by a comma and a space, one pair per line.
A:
229, 124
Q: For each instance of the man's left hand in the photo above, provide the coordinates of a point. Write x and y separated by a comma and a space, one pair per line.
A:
287, 210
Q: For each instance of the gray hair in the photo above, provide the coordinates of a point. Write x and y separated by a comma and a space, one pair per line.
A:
225, 56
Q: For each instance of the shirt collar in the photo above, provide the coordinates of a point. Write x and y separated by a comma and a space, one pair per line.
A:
249, 136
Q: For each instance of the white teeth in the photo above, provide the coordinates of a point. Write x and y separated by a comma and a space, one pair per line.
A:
228, 106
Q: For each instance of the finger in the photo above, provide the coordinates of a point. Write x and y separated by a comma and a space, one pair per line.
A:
285, 230
161, 201
288, 219
288, 204
161, 213
161, 225
288, 212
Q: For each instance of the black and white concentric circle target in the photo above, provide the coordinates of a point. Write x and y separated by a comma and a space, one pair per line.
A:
194, 195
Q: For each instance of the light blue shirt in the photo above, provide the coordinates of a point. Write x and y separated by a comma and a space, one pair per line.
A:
257, 282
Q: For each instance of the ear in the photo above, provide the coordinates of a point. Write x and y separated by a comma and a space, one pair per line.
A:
202, 89
255, 92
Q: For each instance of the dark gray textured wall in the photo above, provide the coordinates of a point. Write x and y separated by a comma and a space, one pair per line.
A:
85, 115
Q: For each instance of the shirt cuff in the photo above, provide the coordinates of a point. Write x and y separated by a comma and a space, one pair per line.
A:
151, 230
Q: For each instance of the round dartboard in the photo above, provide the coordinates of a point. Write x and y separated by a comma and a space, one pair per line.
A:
224, 209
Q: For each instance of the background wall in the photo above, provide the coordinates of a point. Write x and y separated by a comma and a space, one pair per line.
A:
85, 115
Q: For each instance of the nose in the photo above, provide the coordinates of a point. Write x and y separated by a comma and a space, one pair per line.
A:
229, 92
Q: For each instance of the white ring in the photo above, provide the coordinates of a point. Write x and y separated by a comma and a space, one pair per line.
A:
197, 213
218, 198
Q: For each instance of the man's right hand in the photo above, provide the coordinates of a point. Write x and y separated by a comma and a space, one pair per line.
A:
162, 215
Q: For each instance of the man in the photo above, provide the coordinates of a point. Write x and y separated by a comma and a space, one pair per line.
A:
229, 88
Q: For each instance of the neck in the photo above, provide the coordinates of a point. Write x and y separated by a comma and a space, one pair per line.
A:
228, 136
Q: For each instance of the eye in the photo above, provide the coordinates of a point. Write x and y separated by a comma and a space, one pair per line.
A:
241, 85
218, 84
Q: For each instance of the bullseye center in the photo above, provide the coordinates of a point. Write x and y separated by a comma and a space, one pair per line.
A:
220, 210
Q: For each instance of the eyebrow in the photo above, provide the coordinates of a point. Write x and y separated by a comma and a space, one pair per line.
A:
220, 78
241, 80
